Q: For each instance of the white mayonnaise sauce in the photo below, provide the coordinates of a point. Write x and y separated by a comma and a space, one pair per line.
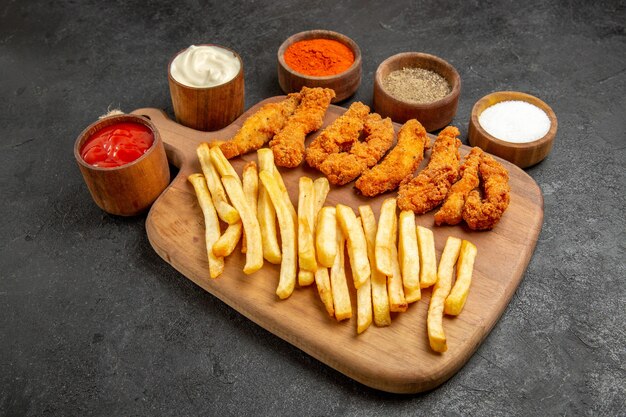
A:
205, 66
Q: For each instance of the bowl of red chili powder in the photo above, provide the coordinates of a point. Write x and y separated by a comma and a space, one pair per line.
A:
320, 58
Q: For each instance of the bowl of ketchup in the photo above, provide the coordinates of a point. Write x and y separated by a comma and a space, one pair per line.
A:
123, 162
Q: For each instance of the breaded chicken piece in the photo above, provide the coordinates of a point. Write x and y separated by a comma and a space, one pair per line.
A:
399, 163
259, 128
451, 212
339, 136
288, 144
484, 214
342, 167
429, 188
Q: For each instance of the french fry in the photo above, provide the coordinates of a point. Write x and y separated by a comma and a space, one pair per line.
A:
397, 300
224, 210
266, 212
384, 236
322, 187
305, 277
254, 247
364, 302
285, 193
456, 300
306, 241
226, 244
322, 281
288, 265
222, 165
250, 191
380, 299
357, 246
428, 261
338, 281
434, 322
326, 239
408, 256
251, 184
211, 223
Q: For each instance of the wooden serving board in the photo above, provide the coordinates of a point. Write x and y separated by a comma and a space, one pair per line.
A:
395, 358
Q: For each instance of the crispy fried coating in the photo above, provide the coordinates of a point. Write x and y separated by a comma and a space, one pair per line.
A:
429, 188
484, 214
399, 163
259, 128
339, 136
288, 144
451, 212
342, 167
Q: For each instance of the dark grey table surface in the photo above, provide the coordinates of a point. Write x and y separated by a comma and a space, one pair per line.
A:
93, 322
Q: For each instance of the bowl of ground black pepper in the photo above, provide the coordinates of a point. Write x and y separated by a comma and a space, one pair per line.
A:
414, 85
320, 58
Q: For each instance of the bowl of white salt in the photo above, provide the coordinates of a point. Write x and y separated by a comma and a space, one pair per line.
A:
515, 126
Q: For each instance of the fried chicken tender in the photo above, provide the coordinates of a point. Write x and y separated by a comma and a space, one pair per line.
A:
339, 136
259, 128
288, 144
430, 187
451, 212
484, 214
342, 167
400, 162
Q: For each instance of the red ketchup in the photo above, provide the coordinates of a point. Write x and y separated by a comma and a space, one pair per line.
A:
117, 145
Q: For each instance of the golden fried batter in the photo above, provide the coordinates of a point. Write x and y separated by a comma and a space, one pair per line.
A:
399, 164
259, 128
484, 214
429, 188
339, 136
288, 144
451, 212
342, 167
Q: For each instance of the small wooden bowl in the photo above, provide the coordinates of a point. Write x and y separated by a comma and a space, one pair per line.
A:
433, 115
207, 108
521, 154
344, 83
129, 189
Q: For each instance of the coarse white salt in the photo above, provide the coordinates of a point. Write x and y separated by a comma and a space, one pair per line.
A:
515, 121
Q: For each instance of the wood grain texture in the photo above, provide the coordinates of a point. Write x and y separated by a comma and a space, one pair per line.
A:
210, 108
432, 116
395, 358
131, 188
344, 84
521, 154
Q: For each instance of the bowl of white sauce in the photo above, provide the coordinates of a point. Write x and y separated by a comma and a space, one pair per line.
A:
207, 86
515, 126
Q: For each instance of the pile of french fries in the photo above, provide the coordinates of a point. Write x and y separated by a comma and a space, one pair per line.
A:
390, 262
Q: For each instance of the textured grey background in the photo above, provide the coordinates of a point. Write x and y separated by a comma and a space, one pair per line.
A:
93, 322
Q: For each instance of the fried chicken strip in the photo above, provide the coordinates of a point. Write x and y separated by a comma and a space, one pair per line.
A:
429, 188
399, 163
339, 136
484, 214
288, 144
451, 212
259, 128
342, 167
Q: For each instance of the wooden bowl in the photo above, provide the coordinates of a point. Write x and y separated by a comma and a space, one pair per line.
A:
344, 83
207, 108
432, 116
129, 189
521, 154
